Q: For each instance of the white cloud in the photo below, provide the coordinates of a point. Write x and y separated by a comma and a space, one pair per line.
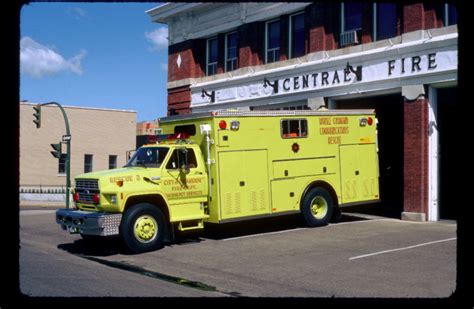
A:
37, 60
77, 13
158, 38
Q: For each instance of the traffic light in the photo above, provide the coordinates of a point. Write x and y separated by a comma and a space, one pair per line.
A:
57, 150
37, 115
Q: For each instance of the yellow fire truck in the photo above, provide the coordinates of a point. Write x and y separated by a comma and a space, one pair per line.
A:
226, 166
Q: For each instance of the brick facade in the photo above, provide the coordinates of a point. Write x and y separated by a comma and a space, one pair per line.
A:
415, 155
322, 33
179, 100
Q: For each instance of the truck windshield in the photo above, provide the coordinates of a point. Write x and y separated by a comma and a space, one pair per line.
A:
148, 157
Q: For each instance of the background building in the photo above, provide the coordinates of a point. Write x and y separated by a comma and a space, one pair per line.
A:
100, 140
398, 58
145, 129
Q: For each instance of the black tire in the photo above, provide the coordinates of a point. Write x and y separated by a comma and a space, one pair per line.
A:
143, 228
317, 207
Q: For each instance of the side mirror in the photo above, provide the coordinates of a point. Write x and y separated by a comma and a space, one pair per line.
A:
183, 161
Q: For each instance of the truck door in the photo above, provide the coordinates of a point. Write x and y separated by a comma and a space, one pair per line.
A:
184, 178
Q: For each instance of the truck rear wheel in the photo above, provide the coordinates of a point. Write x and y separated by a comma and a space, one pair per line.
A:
143, 228
317, 207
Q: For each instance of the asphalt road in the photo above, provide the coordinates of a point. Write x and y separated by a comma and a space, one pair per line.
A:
380, 257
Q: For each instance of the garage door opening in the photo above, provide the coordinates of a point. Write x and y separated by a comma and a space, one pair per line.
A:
448, 147
389, 111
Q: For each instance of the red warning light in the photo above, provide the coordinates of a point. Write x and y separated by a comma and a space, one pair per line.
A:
222, 124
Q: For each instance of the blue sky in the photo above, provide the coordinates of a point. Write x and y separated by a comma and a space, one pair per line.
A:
108, 55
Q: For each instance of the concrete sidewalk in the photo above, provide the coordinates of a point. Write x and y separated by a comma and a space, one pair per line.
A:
37, 205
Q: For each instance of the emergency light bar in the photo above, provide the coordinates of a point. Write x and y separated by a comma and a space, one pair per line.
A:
175, 136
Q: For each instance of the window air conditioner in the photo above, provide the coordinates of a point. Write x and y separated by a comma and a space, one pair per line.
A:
348, 38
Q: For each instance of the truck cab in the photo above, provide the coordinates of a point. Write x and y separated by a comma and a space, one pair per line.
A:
162, 185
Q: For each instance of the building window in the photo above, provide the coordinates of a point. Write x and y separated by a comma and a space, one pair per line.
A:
297, 31
351, 16
62, 164
385, 23
211, 57
272, 42
450, 14
231, 51
88, 163
112, 162
294, 128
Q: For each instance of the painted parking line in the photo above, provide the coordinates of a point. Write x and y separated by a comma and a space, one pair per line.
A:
401, 249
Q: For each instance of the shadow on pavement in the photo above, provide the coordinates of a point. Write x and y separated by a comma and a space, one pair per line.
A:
96, 247
109, 246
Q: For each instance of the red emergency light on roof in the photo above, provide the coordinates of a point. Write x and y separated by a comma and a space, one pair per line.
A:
174, 136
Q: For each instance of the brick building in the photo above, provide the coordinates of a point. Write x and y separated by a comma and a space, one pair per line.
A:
145, 129
100, 141
398, 58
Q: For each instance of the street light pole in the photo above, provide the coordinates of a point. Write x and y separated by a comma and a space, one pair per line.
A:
67, 139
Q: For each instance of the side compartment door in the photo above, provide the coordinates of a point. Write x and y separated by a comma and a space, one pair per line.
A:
359, 176
244, 184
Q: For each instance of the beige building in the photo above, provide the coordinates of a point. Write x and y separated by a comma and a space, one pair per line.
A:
100, 140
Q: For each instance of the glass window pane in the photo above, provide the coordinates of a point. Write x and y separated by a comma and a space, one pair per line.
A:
352, 15
213, 50
452, 15
232, 45
274, 34
294, 128
297, 36
386, 20
87, 163
112, 161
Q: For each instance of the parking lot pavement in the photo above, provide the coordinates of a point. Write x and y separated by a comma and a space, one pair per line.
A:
379, 257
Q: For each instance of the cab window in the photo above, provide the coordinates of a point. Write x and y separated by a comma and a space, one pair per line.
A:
180, 157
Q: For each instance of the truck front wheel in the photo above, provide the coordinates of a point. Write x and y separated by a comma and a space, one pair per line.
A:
143, 228
317, 207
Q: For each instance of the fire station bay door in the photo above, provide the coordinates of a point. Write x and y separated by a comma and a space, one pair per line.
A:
358, 172
244, 185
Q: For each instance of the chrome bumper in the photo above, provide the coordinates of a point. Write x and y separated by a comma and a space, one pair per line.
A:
88, 223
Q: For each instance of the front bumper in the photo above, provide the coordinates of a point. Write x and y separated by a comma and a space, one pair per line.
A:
88, 222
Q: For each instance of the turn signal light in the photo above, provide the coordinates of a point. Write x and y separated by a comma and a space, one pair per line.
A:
96, 198
75, 197
370, 121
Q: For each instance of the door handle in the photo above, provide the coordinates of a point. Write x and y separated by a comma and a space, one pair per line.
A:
198, 173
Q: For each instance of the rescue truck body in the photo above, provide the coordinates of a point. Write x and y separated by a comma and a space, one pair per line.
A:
227, 166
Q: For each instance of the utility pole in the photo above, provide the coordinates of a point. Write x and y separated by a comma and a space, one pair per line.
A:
57, 147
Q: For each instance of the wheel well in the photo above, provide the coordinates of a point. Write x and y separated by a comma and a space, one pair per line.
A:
154, 199
324, 185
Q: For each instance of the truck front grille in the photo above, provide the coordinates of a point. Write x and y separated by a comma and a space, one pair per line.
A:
86, 189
